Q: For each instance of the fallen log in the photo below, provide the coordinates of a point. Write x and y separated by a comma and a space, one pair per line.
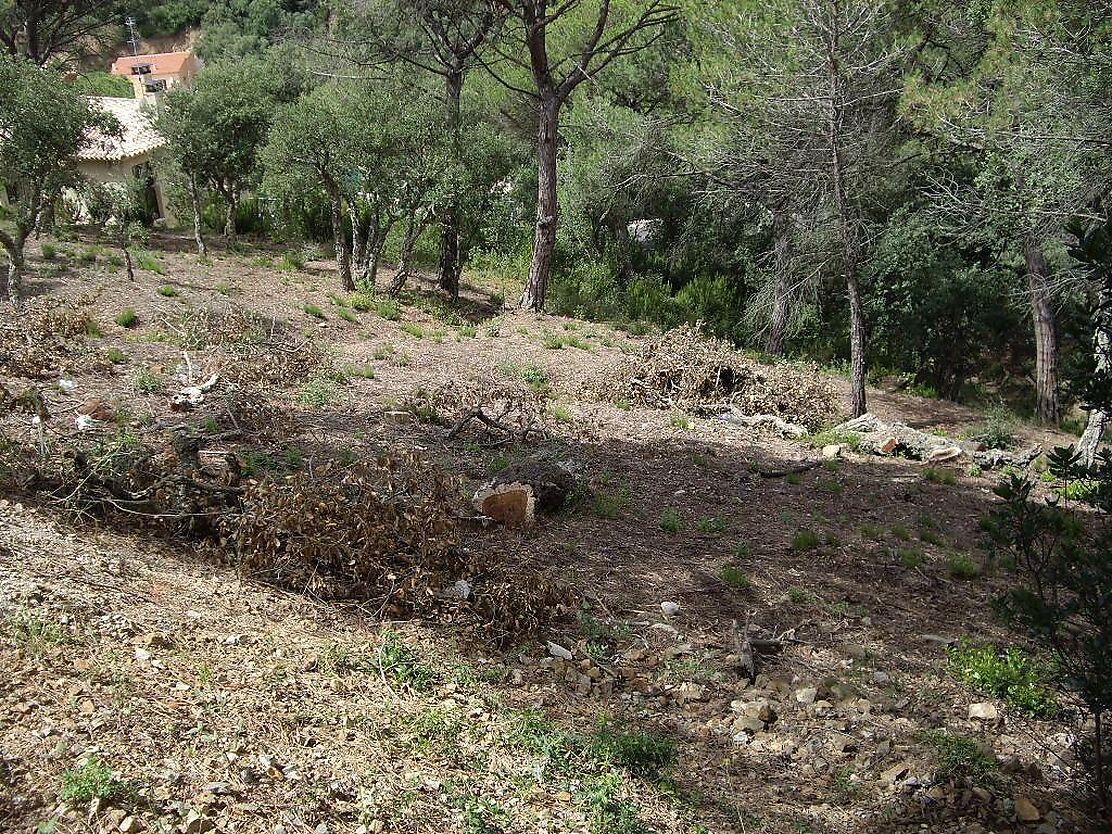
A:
737, 417
877, 437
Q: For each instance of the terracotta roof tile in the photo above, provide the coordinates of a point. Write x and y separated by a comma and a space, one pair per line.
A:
162, 63
139, 134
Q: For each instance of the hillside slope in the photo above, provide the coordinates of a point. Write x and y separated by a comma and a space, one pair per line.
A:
154, 687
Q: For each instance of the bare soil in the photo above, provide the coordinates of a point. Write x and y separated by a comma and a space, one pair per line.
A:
220, 703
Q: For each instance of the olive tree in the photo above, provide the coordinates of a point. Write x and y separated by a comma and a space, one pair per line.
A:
215, 128
43, 123
377, 152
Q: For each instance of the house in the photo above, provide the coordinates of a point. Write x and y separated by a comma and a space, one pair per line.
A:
124, 158
153, 74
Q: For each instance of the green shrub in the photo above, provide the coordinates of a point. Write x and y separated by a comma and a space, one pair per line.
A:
940, 476
168, 291
467, 331
643, 754
314, 311
127, 318
550, 341
1006, 674
317, 392
414, 330
93, 329
291, 262
711, 526
670, 521
91, 780
346, 315
998, 430
609, 500
115, 356
805, 540
388, 309
360, 371
363, 302
735, 577
910, 557
49, 252
960, 566
403, 664
146, 381
147, 260
959, 756
560, 413
798, 596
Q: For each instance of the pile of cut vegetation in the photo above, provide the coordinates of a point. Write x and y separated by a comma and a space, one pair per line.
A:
383, 533
687, 370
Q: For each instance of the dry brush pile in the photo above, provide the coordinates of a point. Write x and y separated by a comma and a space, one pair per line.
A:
385, 534
684, 369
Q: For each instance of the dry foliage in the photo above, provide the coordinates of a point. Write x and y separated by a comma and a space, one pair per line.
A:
36, 343
684, 369
251, 411
385, 533
495, 407
273, 366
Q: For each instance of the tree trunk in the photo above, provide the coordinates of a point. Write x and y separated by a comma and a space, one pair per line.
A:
195, 201
343, 250
1102, 343
848, 238
856, 341
544, 241
1048, 408
15, 274
230, 219
412, 232
360, 229
377, 233
782, 285
451, 254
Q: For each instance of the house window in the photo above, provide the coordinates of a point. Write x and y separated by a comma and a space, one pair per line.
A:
155, 86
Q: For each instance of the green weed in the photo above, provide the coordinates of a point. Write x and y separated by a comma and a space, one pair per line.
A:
1006, 674
670, 521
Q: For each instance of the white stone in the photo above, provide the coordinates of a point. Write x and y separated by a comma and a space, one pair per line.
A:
985, 711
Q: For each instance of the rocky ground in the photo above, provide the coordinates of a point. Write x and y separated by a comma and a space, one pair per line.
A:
149, 686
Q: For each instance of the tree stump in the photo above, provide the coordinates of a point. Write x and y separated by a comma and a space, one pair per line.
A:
519, 492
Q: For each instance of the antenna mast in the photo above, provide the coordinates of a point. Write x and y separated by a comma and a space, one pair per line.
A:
133, 35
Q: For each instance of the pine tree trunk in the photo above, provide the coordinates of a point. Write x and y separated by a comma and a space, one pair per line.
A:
544, 241
856, 341
848, 239
1048, 407
343, 250
781, 292
195, 201
451, 254
1102, 342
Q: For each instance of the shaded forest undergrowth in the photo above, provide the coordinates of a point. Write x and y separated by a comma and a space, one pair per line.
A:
260, 602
